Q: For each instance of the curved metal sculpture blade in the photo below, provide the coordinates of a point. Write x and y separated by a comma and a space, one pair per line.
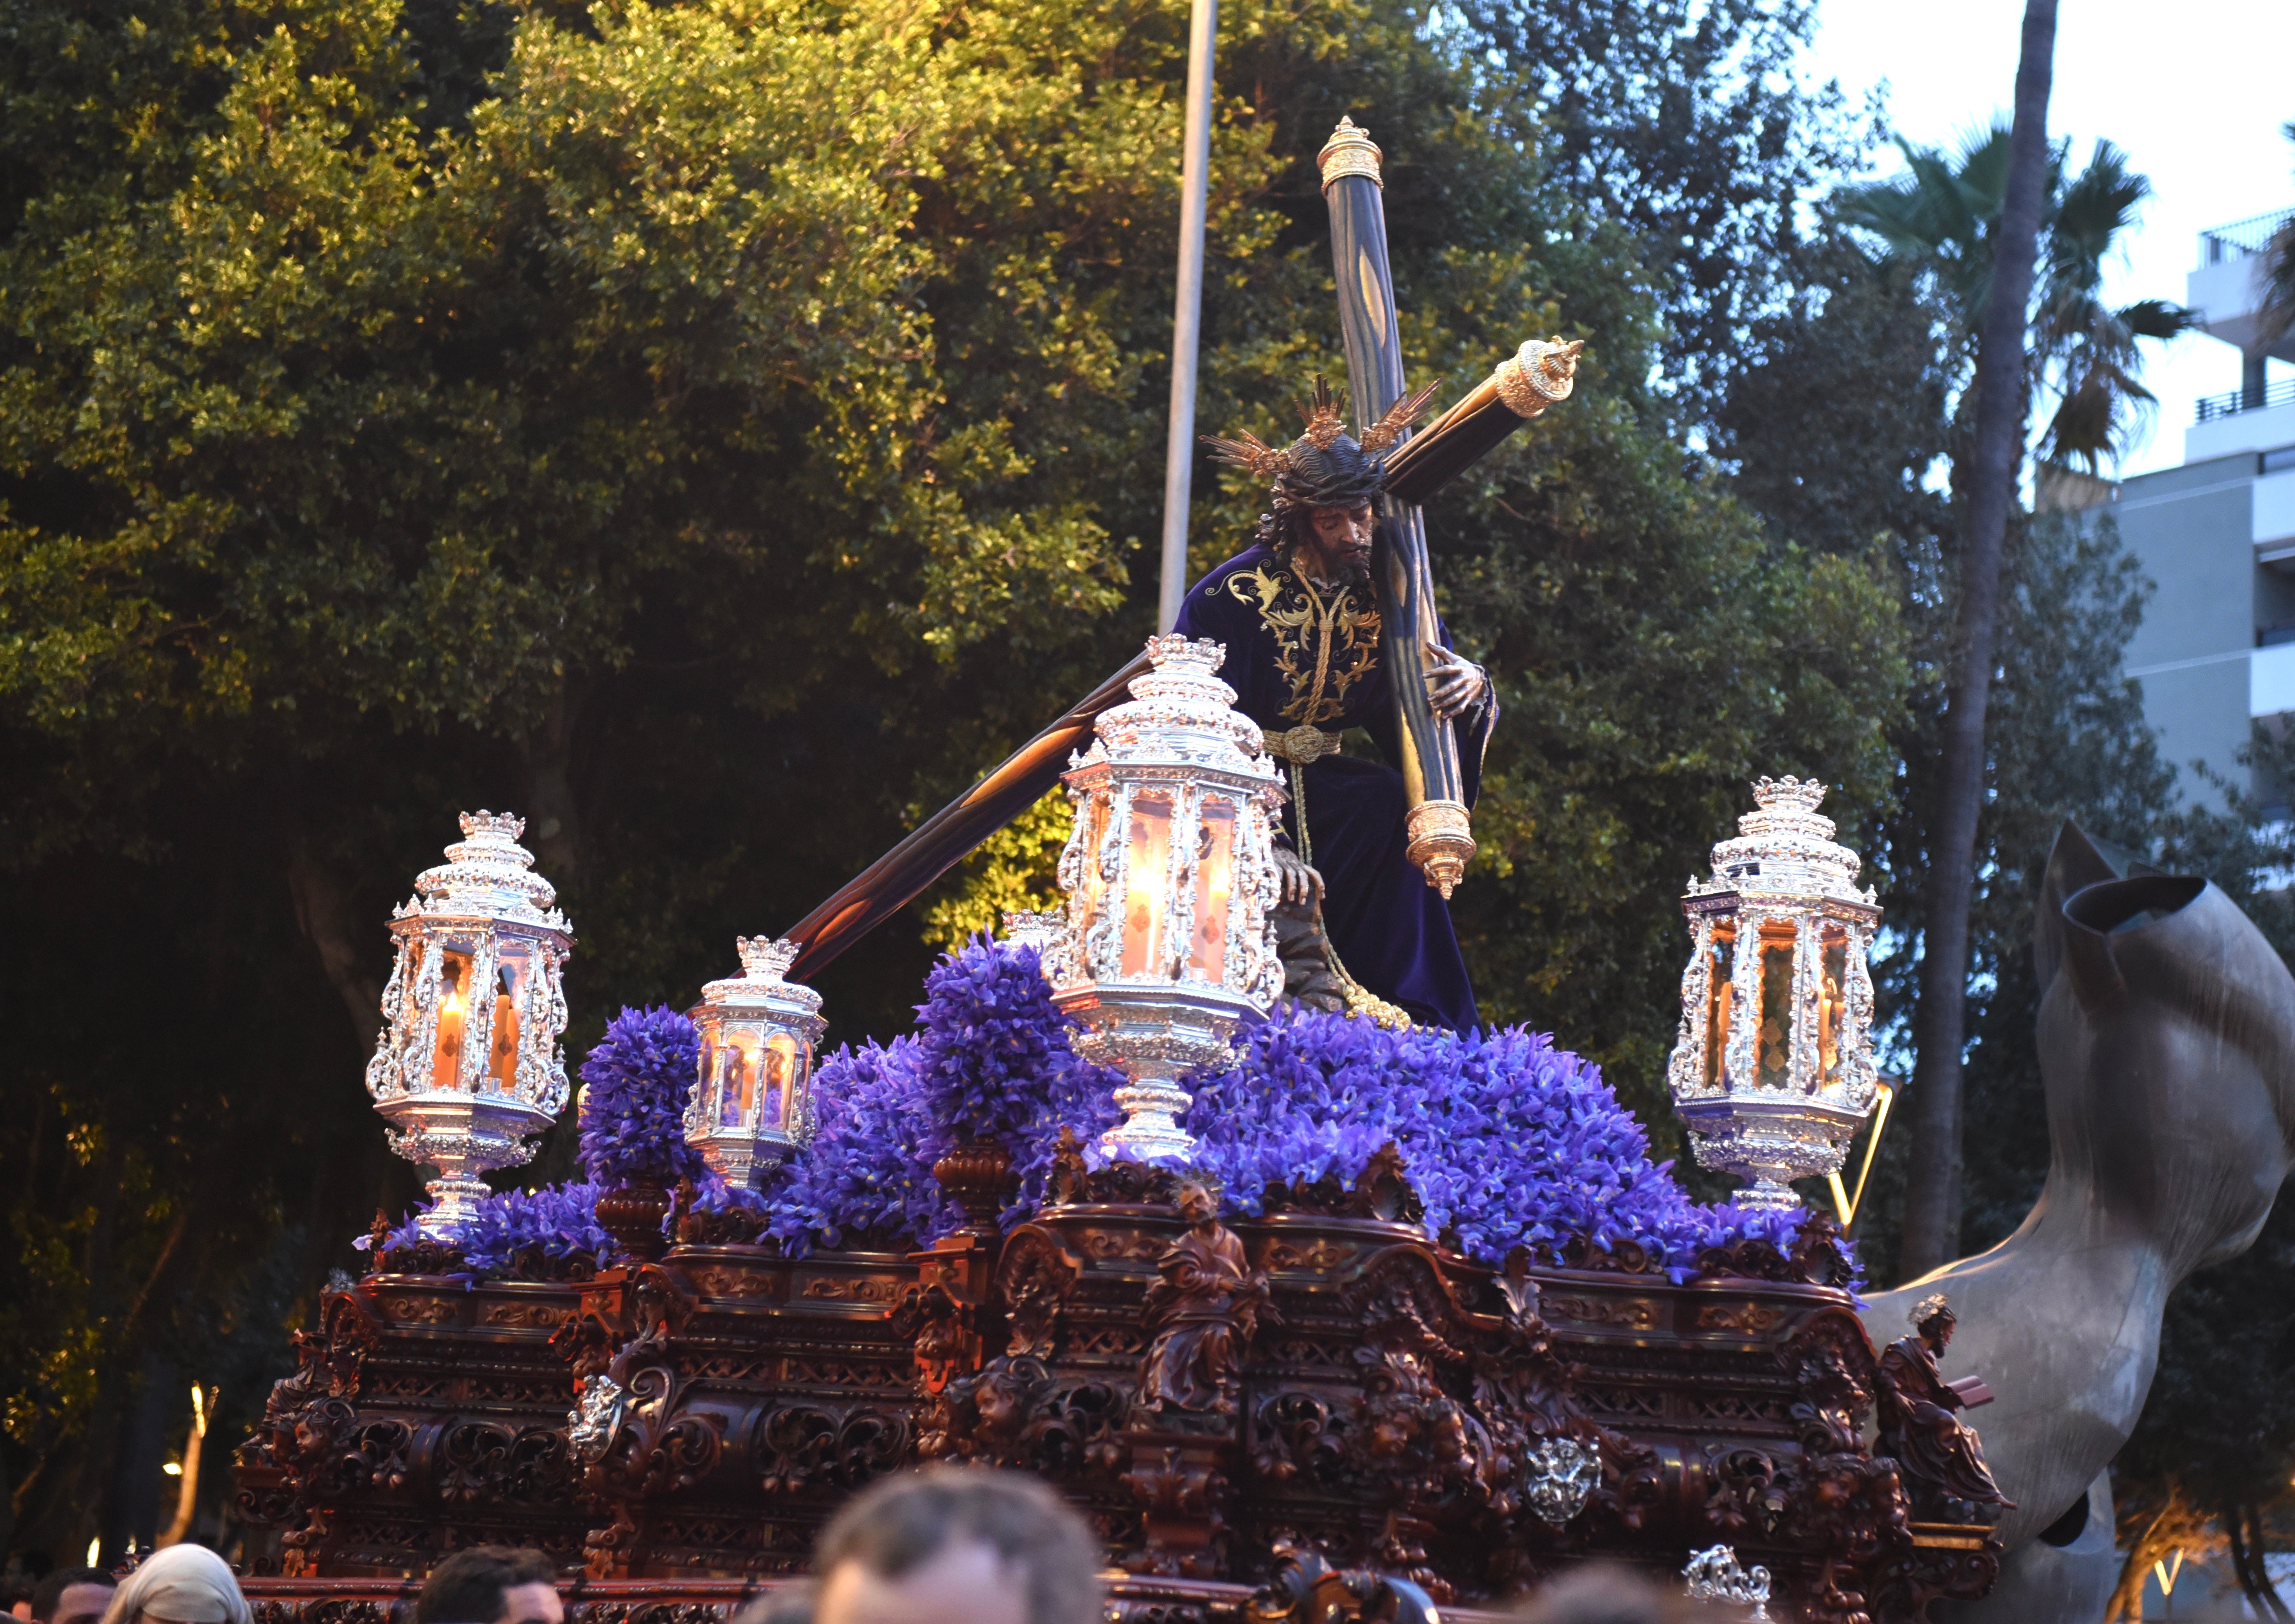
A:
2167, 1038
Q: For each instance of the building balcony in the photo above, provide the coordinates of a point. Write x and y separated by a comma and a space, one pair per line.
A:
2226, 291
2280, 394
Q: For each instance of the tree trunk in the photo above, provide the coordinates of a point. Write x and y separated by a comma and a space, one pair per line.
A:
552, 827
323, 911
1932, 1198
2244, 1526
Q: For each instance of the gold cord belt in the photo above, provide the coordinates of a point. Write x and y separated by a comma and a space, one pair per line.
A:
1301, 745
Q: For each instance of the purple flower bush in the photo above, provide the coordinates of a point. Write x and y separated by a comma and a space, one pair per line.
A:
560, 1220
1509, 1140
994, 1060
991, 1057
866, 1168
635, 1084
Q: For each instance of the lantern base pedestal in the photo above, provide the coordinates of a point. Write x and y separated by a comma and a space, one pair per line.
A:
455, 1200
1767, 1195
1768, 1138
1150, 1131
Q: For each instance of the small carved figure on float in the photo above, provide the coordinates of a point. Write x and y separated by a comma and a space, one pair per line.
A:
1941, 1457
1203, 1312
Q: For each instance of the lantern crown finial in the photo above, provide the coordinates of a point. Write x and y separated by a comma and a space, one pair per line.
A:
1183, 656
481, 824
765, 957
1788, 794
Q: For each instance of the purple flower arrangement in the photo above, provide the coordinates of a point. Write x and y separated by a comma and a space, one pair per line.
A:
866, 1170
1508, 1140
991, 1059
994, 1061
559, 1221
635, 1084
409, 1232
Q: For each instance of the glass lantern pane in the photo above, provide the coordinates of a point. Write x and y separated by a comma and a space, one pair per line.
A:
734, 1083
1773, 1068
510, 971
1832, 999
1720, 991
1094, 812
1214, 884
453, 1018
780, 1078
1148, 871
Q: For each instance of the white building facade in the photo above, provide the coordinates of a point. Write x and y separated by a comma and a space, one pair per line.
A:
2217, 536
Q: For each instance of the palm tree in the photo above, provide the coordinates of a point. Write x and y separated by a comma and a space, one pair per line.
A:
1994, 250
1941, 217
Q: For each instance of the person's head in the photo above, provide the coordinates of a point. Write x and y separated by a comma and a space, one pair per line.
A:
1933, 1319
184, 1583
1602, 1594
1197, 1205
71, 1595
1334, 543
491, 1583
953, 1542
1323, 482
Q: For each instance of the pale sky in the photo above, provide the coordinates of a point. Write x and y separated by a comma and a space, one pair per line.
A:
2194, 92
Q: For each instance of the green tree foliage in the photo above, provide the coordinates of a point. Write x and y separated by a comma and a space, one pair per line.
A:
717, 432
1838, 437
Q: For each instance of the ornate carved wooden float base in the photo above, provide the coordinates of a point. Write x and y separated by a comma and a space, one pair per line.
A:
1384, 1407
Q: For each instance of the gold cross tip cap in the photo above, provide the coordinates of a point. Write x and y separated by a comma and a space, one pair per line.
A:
1350, 151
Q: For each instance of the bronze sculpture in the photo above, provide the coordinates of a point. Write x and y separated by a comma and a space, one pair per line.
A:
2168, 1050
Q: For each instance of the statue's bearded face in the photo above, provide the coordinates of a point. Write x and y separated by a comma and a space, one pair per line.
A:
1334, 543
1196, 1204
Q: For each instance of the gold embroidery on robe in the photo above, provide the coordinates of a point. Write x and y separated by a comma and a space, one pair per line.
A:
1323, 645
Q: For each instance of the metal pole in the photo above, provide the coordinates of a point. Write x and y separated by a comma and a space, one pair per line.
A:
1188, 318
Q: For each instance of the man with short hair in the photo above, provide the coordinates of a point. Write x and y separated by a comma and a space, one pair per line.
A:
72, 1595
491, 1583
955, 1542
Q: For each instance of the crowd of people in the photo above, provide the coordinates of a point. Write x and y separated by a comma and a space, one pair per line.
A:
945, 1545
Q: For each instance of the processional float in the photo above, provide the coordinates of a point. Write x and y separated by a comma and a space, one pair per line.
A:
1382, 1425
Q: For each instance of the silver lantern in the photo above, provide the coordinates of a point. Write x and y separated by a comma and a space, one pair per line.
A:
753, 1101
1171, 882
468, 1067
1773, 1071
1041, 929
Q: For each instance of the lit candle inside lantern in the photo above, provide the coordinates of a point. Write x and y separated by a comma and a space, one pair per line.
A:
732, 1084
780, 1076
1832, 1003
454, 1017
1148, 879
502, 1057
1214, 884
1720, 990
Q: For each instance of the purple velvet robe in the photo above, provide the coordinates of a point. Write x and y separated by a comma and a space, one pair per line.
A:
1293, 661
